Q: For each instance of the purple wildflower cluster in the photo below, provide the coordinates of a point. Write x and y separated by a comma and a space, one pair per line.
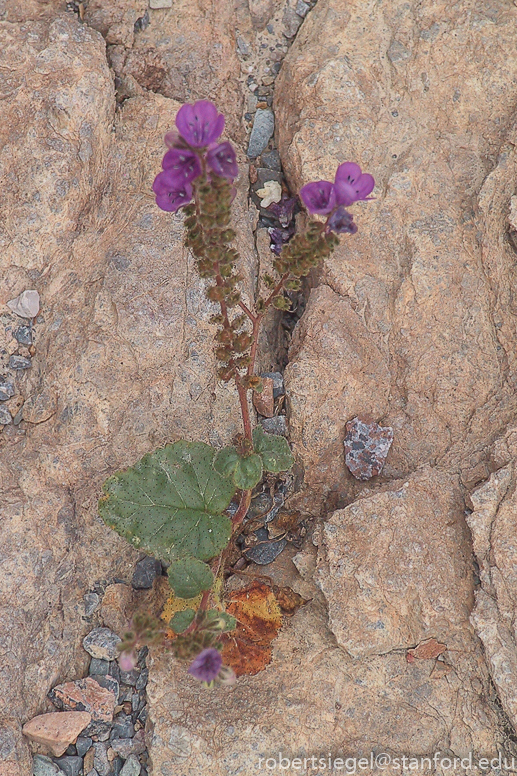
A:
192, 153
330, 199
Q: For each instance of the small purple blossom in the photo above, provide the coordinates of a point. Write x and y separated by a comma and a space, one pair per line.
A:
319, 197
283, 210
200, 124
183, 164
351, 185
279, 237
206, 665
341, 221
222, 161
127, 660
170, 195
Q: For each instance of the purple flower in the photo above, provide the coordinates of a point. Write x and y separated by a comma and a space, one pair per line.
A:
279, 237
206, 665
127, 660
341, 221
351, 185
222, 161
183, 164
319, 197
171, 195
283, 210
200, 124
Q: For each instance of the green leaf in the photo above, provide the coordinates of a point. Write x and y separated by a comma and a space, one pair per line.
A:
274, 451
182, 620
170, 503
189, 577
245, 471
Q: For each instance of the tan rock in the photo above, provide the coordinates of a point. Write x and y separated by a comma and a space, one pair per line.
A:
125, 344
264, 402
117, 608
56, 730
493, 526
39, 407
428, 272
85, 695
421, 589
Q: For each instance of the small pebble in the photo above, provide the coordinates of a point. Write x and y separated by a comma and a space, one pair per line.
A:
366, 447
114, 670
102, 643
20, 362
263, 128
100, 759
302, 9
146, 571
82, 745
44, 766
141, 682
117, 765
265, 551
71, 766
131, 767
5, 416
276, 425
6, 390
23, 335
122, 728
26, 305
278, 382
91, 602
109, 683
128, 746
155, 4
98, 667
271, 160
142, 23
243, 46
292, 22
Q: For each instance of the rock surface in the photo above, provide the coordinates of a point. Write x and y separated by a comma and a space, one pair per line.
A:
425, 280
124, 344
56, 730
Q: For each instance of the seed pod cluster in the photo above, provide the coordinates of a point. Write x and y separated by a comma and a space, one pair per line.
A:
208, 235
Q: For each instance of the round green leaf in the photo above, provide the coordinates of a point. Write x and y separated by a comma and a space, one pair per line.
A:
189, 577
182, 620
245, 471
274, 451
169, 504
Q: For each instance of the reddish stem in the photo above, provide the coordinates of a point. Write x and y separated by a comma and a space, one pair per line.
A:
244, 505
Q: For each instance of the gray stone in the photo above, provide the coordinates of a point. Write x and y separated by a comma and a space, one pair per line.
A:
100, 759
265, 174
71, 766
276, 425
142, 679
102, 643
44, 766
271, 160
98, 667
266, 550
262, 132
117, 765
82, 745
130, 677
23, 335
146, 571
122, 727
128, 746
302, 8
6, 390
278, 382
5, 416
91, 602
292, 22
20, 362
131, 766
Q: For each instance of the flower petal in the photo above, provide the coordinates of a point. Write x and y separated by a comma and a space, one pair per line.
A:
206, 665
318, 197
364, 185
199, 124
222, 161
183, 164
348, 172
170, 195
342, 222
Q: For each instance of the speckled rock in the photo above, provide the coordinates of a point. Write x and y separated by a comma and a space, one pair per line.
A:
56, 730
428, 274
85, 695
125, 341
102, 643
